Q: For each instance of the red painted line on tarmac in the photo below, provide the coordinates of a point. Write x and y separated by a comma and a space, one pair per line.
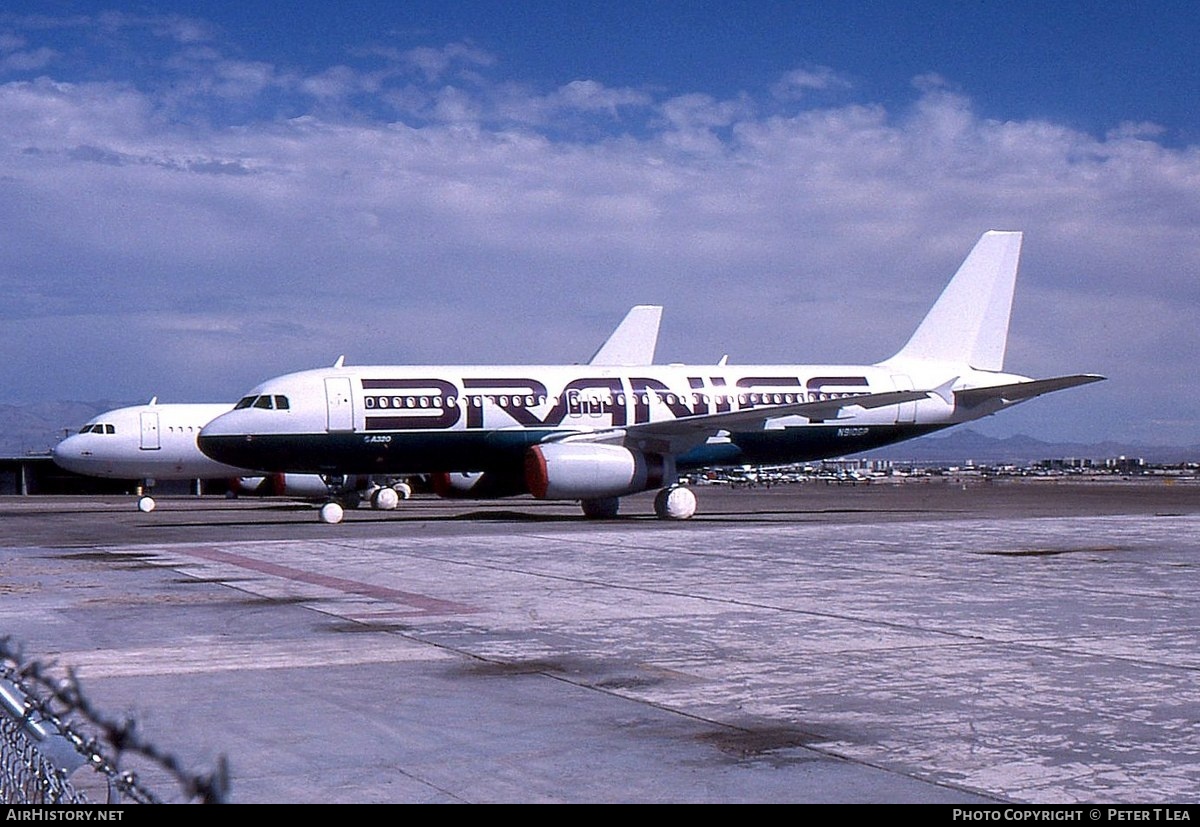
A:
424, 603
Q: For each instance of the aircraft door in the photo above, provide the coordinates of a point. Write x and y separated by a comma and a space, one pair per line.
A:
150, 436
575, 403
587, 403
340, 404
906, 412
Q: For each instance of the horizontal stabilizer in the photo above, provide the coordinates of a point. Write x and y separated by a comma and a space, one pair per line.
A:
1020, 391
634, 340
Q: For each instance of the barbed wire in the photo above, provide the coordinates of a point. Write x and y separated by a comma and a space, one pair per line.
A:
44, 739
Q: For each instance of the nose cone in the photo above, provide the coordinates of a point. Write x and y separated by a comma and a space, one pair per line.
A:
72, 454
64, 451
221, 438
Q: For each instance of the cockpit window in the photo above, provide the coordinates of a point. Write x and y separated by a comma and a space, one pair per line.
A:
266, 402
97, 428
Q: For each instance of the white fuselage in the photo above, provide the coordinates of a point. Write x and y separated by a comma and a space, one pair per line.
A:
155, 442
417, 419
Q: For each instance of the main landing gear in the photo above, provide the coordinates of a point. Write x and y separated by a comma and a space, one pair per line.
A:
381, 498
675, 503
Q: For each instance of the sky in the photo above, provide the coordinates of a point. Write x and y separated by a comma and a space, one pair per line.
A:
198, 196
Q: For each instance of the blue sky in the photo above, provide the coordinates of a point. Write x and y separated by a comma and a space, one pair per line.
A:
197, 196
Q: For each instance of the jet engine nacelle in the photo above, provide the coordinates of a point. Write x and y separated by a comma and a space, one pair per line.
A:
461, 485
585, 471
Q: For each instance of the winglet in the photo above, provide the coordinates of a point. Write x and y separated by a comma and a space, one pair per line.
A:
634, 340
969, 322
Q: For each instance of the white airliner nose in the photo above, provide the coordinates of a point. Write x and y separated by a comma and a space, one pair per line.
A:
69, 454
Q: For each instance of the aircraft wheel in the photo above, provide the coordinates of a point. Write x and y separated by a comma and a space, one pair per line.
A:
331, 513
403, 490
385, 499
678, 503
146, 504
603, 508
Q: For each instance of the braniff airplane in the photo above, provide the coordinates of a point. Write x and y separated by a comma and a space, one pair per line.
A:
156, 441
595, 433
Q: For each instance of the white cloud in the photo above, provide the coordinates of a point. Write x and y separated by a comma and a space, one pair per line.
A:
499, 223
436, 63
26, 61
590, 96
799, 83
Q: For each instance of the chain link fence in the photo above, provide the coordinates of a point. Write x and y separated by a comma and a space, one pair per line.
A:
57, 748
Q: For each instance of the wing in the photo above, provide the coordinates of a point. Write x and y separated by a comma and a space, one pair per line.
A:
679, 435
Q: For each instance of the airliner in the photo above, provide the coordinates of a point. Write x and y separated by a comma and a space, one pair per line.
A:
595, 433
158, 441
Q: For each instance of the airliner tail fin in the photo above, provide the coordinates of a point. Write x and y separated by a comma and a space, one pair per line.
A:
634, 340
969, 322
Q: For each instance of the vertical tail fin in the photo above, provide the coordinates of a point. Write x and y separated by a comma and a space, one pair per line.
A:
969, 322
634, 340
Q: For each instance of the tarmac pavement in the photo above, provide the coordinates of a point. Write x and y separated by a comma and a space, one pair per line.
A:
952, 642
